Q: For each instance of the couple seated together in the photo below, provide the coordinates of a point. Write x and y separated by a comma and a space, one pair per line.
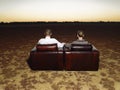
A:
49, 40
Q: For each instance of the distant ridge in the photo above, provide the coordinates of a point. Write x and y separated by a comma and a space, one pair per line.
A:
52, 22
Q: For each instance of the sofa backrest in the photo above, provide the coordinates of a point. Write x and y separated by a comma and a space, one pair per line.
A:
81, 47
47, 47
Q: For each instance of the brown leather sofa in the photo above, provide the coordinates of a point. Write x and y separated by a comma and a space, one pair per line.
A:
46, 57
82, 57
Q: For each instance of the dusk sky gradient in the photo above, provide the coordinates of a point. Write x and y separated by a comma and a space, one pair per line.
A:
59, 10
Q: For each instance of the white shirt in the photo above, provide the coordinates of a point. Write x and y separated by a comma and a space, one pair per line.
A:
48, 40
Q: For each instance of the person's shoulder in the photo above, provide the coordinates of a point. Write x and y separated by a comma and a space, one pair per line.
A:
80, 42
53, 39
42, 39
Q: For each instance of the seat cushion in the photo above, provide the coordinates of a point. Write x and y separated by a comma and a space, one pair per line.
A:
81, 47
47, 47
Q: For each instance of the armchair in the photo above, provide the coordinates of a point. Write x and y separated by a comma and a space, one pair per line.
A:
82, 57
46, 57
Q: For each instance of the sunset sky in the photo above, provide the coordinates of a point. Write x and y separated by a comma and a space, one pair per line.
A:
59, 10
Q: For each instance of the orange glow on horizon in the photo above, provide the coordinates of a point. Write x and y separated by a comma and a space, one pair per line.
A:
59, 10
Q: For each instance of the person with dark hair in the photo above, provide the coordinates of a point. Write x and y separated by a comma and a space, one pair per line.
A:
80, 40
80, 36
49, 40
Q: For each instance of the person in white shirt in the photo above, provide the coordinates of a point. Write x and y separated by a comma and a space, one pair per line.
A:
49, 40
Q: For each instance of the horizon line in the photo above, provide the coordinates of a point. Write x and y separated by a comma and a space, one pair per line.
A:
51, 21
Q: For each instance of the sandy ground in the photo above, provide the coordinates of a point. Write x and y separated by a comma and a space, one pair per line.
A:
16, 41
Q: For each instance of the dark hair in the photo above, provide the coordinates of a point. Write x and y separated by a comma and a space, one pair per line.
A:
48, 32
80, 33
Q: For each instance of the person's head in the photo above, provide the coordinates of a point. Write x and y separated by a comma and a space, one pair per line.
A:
48, 32
80, 34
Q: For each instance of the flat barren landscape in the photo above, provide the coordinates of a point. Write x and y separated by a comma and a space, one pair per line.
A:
17, 40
